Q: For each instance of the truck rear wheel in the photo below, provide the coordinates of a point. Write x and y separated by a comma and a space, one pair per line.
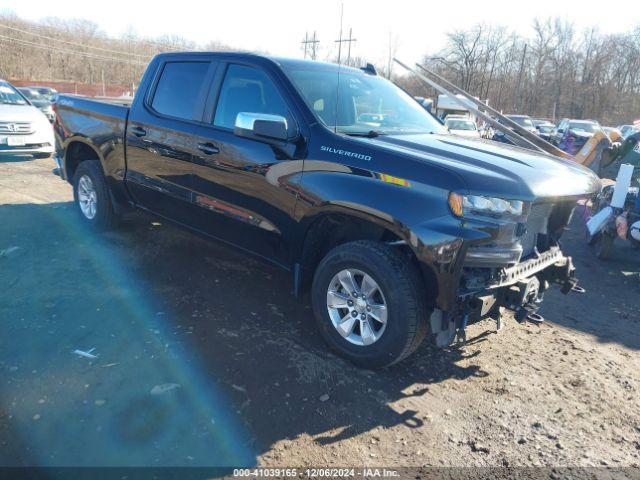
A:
91, 195
369, 302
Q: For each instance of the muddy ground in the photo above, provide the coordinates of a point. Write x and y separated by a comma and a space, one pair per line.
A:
204, 358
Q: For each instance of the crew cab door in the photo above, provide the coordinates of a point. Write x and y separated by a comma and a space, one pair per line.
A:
245, 188
160, 136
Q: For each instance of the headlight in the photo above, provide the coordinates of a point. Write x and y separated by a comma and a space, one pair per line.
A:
465, 205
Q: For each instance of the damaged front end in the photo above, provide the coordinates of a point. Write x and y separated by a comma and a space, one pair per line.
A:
512, 269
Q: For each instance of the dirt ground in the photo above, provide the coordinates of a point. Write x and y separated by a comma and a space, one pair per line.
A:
204, 358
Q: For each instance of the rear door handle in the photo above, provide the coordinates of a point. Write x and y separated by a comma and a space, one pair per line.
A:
138, 131
208, 148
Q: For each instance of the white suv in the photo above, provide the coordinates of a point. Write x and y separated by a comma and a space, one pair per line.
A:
23, 127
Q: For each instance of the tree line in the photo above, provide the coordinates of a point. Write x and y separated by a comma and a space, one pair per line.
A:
78, 50
558, 72
554, 73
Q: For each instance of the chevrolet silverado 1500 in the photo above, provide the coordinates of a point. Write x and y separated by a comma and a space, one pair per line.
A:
397, 228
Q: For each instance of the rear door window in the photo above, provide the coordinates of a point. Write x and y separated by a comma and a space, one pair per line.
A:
181, 86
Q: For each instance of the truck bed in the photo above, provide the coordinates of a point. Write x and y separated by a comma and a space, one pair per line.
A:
104, 118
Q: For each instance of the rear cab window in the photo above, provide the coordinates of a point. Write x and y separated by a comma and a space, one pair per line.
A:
179, 89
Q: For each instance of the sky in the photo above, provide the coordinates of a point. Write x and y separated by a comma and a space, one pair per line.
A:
279, 26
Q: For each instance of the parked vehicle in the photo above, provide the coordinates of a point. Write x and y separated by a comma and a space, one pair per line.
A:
545, 130
627, 130
398, 228
541, 121
569, 129
23, 127
461, 125
47, 92
447, 105
40, 101
524, 121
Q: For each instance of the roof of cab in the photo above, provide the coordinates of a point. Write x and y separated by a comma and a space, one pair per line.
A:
280, 61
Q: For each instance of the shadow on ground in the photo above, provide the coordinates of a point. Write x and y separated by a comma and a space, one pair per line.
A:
203, 356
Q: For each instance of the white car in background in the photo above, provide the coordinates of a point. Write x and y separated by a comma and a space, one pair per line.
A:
461, 125
23, 127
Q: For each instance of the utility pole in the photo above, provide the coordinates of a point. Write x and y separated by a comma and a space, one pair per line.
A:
349, 41
311, 44
305, 42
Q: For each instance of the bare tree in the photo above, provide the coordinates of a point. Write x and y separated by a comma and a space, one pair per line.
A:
553, 73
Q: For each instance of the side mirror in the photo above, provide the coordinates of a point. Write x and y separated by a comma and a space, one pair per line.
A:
262, 127
560, 130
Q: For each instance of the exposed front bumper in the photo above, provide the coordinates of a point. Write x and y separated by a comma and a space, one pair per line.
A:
520, 286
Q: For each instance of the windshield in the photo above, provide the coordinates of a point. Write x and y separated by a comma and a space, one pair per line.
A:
522, 121
584, 126
460, 125
9, 96
364, 104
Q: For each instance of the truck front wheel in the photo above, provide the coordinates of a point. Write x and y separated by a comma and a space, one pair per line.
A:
91, 196
369, 303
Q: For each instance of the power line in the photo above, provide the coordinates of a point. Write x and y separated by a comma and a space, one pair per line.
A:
69, 52
71, 43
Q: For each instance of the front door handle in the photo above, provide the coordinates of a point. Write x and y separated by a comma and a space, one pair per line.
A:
138, 131
208, 148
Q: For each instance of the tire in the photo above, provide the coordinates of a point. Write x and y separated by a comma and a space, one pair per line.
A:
603, 245
104, 217
400, 288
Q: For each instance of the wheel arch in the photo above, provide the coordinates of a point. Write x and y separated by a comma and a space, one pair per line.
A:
76, 151
338, 224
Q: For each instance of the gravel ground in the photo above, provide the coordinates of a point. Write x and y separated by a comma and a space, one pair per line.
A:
204, 358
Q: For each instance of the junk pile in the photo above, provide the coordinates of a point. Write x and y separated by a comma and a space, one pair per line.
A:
616, 213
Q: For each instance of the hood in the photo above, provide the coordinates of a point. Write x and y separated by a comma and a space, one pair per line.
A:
21, 113
491, 168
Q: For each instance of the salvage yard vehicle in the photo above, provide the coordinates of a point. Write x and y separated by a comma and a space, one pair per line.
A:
23, 127
524, 121
47, 92
571, 135
545, 130
38, 100
396, 227
461, 125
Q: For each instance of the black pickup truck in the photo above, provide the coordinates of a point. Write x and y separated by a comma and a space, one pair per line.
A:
397, 228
